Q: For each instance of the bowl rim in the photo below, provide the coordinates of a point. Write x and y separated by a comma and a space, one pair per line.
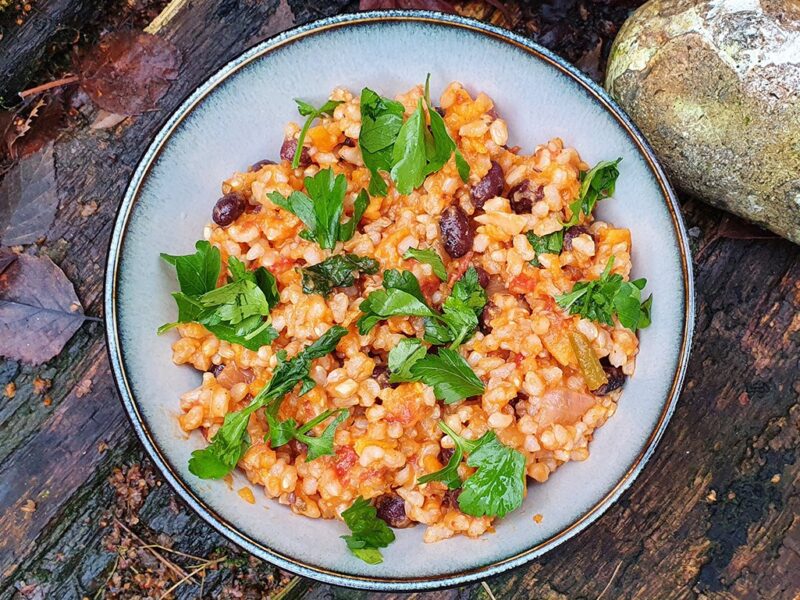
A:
229, 530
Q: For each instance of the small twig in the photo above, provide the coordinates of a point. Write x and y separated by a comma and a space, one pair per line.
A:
48, 86
610, 581
148, 547
287, 588
104, 587
166, 15
190, 576
178, 552
488, 590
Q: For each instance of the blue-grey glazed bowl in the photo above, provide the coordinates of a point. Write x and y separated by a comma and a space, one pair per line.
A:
236, 118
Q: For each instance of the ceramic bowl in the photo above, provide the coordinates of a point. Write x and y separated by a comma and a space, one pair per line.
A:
236, 118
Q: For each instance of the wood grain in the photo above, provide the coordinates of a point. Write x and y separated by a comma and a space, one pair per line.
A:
713, 515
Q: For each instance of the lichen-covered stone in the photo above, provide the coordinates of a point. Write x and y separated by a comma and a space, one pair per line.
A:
715, 87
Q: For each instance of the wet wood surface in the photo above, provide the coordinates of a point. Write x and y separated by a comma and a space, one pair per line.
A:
713, 515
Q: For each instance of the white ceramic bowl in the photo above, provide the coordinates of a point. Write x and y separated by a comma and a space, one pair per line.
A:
236, 118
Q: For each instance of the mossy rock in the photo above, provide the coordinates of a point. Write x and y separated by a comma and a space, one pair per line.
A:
715, 87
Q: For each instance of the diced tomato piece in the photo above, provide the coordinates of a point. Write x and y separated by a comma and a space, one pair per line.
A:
346, 457
522, 284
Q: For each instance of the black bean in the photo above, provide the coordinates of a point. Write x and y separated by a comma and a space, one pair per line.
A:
288, 149
523, 195
262, 163
571, 233
457, 233
392, 509
490, 186
616, 379
228, 209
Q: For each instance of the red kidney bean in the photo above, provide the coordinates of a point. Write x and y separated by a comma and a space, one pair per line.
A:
216, 370
457, 233
451, 498
445, 454
490, 186
523, 195
262, 163
228, 209
392, 509
288, 149
483, 277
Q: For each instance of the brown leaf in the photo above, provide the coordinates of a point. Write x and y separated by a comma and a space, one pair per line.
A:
439, 5
589, 63
32, 125
128, 72
105, 120
39, 311
6, 258
28, 199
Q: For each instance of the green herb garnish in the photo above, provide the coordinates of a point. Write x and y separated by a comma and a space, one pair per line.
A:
409, 150
402, 296
231, 442
449, 374
381, 120
599, 300
321, 209
551, 243
402, 357
311, 113
234, 312
596, 184
283, 432
369, 533
336, 271
498, 485
429, 257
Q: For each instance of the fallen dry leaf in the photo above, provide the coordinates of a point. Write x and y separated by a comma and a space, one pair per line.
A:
128, 72
28, 199
589, 63
83, 388
39, 311
439, 5
106, 120
6, 258
33, 124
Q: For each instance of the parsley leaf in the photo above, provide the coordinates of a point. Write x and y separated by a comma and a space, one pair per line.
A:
230, 442
551, 243
381, 120
369, 533
460, 310
336, 271
409, 150
601, 299
401, 296
308, 110
497, 487
402, 357
233, 312
429, 257
596, 184
283, 432
449, 374
321, 209
198, 272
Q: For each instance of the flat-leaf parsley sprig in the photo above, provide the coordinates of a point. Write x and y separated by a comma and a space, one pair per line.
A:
322, 208
496, 488
236, 312
369, 533
601, 299
311, 113
231, 442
